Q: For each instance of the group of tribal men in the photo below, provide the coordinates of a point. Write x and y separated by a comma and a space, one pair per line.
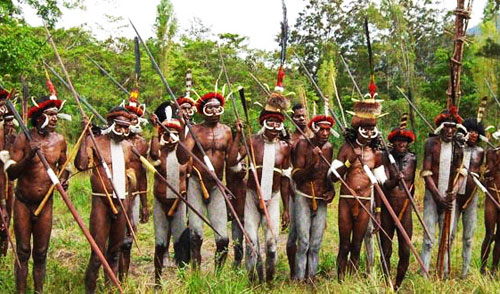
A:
297, 167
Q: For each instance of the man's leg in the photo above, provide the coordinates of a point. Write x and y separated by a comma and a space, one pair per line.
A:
316, 237
133, 214
181, 236
404, 248
303, 227
291, 243
99, 229
368, 241
194, 196
22, 230
345, 224
4, 242
469, 223
358, 234
116, 237
161, 227
272, 237
252, 223
217, 214
388, 225
430, 219
42, 227
237, 235
490, 222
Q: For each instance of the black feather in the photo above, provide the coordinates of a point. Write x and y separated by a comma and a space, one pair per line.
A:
369, 46
244, 102
284, 33
137, 59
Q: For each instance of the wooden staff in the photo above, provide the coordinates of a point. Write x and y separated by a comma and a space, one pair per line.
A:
91, 135
65, 197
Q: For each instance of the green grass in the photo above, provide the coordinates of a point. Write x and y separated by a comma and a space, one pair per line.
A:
69, 253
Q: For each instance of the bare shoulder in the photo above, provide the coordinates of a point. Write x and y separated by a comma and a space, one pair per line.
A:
431, 141
284, 146
59, 137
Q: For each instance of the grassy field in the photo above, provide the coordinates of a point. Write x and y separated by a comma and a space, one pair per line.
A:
69, 253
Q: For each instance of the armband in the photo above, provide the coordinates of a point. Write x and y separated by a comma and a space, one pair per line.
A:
380, 175
5, 158
287, 172
183, 193
426, 173
347, 163
295, 170
378, 209
236, 168
462, 171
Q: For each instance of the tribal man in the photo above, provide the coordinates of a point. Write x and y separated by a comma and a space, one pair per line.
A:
169, 212
8, 132
466, 203
107, 219
313, 192
237, 183
406, 161
203, 193
491, 212
442, 159
299, 116
361, 142
33, 182
272, 161
140, 192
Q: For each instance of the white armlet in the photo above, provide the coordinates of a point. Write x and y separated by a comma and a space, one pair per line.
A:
287, 173
236, 168
336, 164
379, 173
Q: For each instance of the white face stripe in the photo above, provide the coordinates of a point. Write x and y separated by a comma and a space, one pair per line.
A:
281, 126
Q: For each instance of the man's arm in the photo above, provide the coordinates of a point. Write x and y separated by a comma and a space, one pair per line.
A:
302, 171
391, 173
427, 173
62, 160
340, 165
82, 156
20, 154
285, 186
182, 155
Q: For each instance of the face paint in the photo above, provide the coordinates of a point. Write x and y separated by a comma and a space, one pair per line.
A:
123, 131
188, 109
368, 134
213, 108
315, 128
46, 114
172, 139
273, 125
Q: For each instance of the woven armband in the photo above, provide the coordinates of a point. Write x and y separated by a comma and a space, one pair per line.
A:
380, 175
287, 172
426, 173
462, 171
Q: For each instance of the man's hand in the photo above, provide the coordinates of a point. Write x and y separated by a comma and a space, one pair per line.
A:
285, 219
328, 196
354, 155
85, 121
144, 215
376, 228
444, 203
316, 155
34, 147
239, 126
65, 184
154, 119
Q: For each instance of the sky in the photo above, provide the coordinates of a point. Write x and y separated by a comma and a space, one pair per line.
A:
259, 20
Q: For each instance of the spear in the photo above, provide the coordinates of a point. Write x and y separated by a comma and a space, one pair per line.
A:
144, 161
206, 164
250, 151
65, 197
26, 95
96, 148
492, 93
